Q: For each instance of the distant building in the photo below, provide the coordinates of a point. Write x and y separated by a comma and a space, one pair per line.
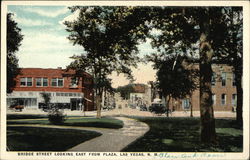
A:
224, 93
141, 95
67, 89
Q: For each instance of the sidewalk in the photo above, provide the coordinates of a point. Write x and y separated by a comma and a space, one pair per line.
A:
131, 112
111, 140
114, 140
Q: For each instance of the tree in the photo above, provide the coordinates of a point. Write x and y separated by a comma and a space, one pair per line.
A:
186, 27
109, 37
176, 77
14, 38
46, 98
232, 52
125, 90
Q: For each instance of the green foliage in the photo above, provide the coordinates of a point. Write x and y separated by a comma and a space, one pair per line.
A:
125, 90
175, 76
56, 117
46, 98
109, 37
14, 38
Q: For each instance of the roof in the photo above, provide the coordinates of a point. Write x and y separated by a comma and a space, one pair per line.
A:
48, 72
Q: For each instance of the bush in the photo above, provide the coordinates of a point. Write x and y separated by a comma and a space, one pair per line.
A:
157, 108
56, 116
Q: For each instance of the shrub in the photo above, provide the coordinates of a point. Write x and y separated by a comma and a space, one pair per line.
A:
157, 108
56, 116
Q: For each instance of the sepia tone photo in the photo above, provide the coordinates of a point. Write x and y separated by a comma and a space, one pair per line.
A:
124, 81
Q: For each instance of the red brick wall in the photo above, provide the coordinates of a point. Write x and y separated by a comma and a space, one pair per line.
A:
85, 84
218, 90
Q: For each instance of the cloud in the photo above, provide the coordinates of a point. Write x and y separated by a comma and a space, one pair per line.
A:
72, 17
30, 22
47, 13
46, 50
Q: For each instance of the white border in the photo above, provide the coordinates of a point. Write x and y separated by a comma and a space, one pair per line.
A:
244, 4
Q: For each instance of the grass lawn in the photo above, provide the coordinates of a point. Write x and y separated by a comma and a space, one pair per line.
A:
103, 122
25, 116
45, 139
28, 116
182, 135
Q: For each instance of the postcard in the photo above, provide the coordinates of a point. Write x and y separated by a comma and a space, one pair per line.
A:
125, 80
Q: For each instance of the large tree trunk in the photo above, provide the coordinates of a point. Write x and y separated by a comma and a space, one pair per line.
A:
191, 105
208, 134
98, 106
238, 80
167, 100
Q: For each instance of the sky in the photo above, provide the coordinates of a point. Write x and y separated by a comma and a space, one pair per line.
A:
45, 43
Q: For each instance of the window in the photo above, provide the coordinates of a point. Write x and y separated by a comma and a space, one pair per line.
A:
26, 81
185, 104
54, 82
233, 80
45, 81
29, 81
60, 82
213, 79
74, 82
213, 99
234, 99
223, 99
41, 82
57, 82
38, 82
223, 78
23, 82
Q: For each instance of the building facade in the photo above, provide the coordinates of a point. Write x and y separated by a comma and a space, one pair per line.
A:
224, 95
66, 89
141, 95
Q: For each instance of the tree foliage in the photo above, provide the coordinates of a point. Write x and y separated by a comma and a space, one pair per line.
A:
46, 98
14, 38
109, 37
190, 30
233, 50
176, 77
125, 90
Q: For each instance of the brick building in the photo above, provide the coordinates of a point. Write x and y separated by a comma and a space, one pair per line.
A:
223, 89
67, 89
